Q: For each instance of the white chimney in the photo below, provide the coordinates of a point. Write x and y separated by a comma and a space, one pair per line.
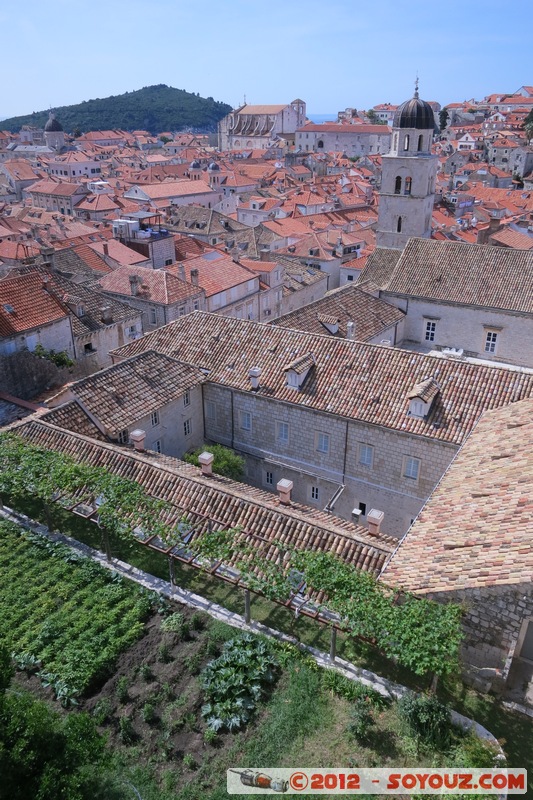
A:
284, 487
374, 519
206, 462
138, 437
254, 374
350, 330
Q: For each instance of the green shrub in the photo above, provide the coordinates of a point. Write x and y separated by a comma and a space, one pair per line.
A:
426, 719
177, 624
352, 690
226, 462
197, 622
361, 719
473, 752
163, 653
210, 736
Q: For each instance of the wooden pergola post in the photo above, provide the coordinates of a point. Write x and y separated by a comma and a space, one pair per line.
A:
247, 612
333, 644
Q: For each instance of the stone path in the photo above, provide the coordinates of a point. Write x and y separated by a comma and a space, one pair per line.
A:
186, 597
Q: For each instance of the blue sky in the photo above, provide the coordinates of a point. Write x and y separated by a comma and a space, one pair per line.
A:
333, 54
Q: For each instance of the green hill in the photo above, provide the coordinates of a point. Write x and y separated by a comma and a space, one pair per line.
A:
153, 108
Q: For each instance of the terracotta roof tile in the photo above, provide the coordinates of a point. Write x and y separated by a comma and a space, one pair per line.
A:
25, 304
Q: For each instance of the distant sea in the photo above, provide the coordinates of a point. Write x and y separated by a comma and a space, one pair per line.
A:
316, 118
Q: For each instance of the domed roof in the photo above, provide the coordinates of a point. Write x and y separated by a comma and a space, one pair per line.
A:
414, 113
213, 166
195, 164
52, 124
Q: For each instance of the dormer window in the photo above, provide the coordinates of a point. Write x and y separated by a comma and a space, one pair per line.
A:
298, 370
421, 398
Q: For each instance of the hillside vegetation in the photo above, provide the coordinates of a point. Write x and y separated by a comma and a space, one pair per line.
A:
153, 108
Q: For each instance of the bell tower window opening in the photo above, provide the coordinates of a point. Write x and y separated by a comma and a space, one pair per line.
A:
406, 142
398, 185
407, 186
420, 142
399, 225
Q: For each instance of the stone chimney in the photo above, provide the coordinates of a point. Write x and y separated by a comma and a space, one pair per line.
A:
106, 249
181, 272
284, 487
350, 330
194, 277
138, 437
134, 285
107, 315
374, 519
254, 374
206, 462
264, 254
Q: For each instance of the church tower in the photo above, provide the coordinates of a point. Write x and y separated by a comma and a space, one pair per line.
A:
408, 176
54, 135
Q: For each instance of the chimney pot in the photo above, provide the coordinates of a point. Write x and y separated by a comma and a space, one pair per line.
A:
206, 462
284, 487
374, 519
254, 374
137, 437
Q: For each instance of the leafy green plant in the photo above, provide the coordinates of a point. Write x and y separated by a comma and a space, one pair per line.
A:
60, 359
352, 690
427, 720
102, 710
176, 624
148, 713
146, 672
236, 681
163, 653
123, 690
126, 730
26, 662
189, 761
210, 736
361, 719
197, 622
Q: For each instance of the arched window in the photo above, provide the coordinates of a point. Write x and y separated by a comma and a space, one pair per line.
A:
420, 142
406, 142
395, 141
398, 185
399, 225
320, 144
407, 186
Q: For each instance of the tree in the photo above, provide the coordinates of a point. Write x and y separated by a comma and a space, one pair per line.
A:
43, 755
444, 116
226, 462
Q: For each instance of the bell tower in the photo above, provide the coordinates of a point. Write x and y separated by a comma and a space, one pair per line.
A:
408, 176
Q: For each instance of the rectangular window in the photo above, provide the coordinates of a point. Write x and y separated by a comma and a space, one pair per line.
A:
246, 420
490, 342
411, 468
366, 455
154, 418
282, 432
153, 316
322, 442
362, 509
210, 410
314, 493
187, 427
269, 478
431, 327
187, 398
123, 436
157, 446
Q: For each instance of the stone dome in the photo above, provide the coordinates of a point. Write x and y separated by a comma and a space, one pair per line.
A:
52, 124
414, 113
213, 167
195, 165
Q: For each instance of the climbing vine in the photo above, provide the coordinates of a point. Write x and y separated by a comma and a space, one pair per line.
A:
420, 634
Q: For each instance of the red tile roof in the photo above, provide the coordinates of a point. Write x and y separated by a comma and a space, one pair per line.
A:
25, 304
